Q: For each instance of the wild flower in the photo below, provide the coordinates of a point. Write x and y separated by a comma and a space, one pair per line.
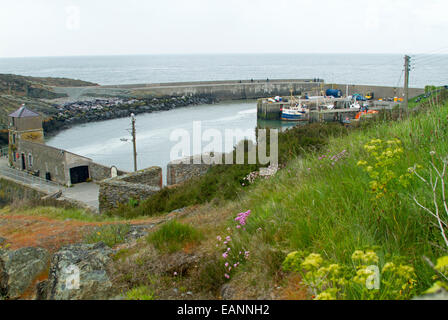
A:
336, 281
442, 265
313, 261
383, 158
242, 217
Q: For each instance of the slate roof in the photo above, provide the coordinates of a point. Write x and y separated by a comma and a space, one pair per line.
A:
23, 112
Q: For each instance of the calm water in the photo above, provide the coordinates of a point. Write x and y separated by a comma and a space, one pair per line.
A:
338, 68
101, 141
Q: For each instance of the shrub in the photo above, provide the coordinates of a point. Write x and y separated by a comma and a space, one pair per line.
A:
110, 234
361, 279
173, 235
140, 293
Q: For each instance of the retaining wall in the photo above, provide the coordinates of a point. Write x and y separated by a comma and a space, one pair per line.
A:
182, 170
138, 186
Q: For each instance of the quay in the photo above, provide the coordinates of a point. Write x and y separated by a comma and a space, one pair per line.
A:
268, 110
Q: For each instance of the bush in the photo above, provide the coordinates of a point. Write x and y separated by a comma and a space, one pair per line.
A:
110, 234
173, 235
140, 293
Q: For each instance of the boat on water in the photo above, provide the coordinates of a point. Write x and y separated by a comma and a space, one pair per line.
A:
294, 113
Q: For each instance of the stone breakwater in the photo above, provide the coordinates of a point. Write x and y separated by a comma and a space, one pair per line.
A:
106, 109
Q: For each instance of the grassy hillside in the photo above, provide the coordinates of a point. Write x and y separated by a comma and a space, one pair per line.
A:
332, 203
315, 228
16, 90
344, 202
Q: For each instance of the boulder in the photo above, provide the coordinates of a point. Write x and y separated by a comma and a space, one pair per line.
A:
79, 272
19, 268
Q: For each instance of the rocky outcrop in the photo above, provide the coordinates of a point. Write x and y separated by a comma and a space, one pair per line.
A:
19, 268
78, 272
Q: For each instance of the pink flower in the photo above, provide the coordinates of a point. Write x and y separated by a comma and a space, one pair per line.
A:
235, 265
227, 264
228, 249
238, 227
225, 255
227, 276
219, 238
175, 273
228, 238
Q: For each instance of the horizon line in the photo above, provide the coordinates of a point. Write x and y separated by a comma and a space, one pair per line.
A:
211, 53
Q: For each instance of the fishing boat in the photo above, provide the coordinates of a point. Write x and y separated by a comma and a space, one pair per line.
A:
296, 111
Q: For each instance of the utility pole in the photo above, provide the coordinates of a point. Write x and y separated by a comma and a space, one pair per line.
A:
407, 68
134, 141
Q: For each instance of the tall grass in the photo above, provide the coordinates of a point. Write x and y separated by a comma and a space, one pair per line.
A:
315, 206
172, 236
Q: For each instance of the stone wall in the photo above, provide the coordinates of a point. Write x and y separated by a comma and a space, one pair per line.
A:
179, 171
11, 190
100, 172
138, 186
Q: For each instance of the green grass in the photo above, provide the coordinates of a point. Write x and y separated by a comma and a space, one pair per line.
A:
173, 235
111, 235
225, 182
314, 206
140, 293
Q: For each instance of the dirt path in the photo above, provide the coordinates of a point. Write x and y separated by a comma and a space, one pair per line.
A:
51, 234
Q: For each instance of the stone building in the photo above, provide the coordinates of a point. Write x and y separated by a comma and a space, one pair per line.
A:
28, 152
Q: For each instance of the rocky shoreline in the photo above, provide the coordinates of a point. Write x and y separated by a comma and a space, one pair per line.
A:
80, 112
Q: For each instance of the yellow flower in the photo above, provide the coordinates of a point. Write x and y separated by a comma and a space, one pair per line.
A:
390, 266
362, 163
442, 265
329, 294
313, 261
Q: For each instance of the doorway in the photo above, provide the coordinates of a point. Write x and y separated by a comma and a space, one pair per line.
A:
79, 174
23, 162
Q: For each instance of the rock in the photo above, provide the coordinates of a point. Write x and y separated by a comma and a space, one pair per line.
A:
227, 292
19, 268
2, 241
79, 272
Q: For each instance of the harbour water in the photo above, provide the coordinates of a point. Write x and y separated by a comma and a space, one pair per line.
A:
103, 141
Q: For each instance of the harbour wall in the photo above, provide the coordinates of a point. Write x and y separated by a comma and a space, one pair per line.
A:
243, 89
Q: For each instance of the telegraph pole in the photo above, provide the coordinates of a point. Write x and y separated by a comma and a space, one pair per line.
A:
407, 68
134, 141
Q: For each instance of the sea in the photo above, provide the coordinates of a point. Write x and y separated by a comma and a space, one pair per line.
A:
107, 142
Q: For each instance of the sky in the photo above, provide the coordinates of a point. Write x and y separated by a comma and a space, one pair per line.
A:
112, 27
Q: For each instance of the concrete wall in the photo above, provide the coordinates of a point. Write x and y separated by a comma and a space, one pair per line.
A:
230, 91
138, 186
45, 159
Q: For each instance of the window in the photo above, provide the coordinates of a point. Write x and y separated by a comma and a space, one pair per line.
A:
30, 160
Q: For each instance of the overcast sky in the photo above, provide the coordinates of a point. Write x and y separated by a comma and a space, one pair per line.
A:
105, 27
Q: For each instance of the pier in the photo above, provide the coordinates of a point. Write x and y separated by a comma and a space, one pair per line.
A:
268, 110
